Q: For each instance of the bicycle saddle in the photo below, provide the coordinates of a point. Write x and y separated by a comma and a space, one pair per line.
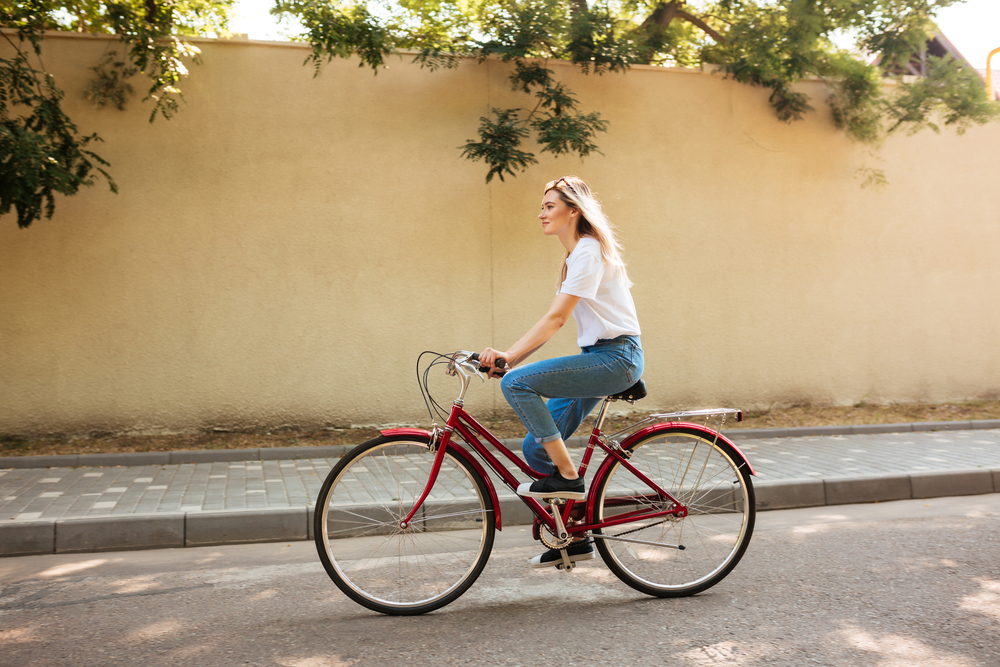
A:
632, 394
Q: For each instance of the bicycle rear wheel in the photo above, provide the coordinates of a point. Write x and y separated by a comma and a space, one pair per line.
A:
668, 556
389, 569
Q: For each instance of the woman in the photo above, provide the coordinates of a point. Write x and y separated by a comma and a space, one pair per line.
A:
594, 288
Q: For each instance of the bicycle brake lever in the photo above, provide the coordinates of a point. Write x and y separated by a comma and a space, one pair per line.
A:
462, 362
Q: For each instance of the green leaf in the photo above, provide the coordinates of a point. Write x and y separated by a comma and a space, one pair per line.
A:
570, 133
499, 144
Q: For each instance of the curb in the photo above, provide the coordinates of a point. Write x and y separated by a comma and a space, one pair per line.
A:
859, 429
333, 451
791, 494
175, 458
154, 531
195, 529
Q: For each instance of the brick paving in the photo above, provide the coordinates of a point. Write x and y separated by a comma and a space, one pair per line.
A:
47, 494
832, 457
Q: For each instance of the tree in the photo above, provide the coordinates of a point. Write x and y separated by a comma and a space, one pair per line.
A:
42, 153
772, 44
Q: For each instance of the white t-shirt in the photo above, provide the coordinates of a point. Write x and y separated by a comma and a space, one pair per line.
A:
605, 309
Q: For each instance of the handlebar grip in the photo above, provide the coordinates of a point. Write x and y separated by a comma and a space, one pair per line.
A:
501, 363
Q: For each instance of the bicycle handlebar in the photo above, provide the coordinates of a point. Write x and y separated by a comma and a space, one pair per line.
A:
501, 364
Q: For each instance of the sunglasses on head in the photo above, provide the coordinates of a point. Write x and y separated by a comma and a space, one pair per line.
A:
555, 184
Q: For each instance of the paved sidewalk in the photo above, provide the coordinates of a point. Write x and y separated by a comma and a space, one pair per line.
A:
166, 505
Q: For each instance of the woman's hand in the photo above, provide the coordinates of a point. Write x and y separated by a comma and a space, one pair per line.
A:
488, 358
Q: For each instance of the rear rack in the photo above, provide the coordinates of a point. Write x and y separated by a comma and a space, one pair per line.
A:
720, 413
713, 412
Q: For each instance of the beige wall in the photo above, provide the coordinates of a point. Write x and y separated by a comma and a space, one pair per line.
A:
281, 251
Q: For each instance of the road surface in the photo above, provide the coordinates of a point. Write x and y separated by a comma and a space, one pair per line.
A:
896, 584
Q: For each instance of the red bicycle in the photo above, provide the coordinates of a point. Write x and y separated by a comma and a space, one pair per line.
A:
404, 523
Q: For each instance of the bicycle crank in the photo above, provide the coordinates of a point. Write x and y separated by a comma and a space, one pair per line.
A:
551, 541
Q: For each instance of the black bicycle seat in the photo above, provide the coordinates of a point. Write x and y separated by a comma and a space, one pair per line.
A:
633, 393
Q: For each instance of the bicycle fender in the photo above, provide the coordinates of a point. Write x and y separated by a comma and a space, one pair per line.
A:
461, 453
697, 427
389, 432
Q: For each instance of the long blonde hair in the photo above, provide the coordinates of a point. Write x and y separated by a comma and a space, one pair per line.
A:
593, 222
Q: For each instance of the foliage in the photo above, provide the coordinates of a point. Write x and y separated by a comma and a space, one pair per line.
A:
948, 91
501, 136
151, 31
525, 34
110, 83
41, 151
773, 44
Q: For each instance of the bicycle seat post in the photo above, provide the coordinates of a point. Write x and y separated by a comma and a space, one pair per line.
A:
599, 422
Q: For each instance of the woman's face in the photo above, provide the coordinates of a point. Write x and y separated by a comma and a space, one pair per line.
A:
558, 219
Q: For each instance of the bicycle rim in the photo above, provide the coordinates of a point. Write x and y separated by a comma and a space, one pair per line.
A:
392, 570
677, 557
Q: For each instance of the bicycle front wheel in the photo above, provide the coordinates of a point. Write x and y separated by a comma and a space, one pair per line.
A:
670, 556
403, 571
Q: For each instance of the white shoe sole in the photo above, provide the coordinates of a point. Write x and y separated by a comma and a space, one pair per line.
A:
536, 562
524, 489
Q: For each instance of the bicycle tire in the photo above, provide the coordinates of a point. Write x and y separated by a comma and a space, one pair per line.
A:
387, 569
705, 474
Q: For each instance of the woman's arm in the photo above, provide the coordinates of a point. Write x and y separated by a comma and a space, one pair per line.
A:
559, 312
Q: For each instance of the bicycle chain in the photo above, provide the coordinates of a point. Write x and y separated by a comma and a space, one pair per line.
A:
648, 525
636, 530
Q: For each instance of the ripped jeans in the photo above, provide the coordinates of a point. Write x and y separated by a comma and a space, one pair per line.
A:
574, 386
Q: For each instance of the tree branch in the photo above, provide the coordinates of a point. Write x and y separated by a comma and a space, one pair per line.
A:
711, 32
665, 13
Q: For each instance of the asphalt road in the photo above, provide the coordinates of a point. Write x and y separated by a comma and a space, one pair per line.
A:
896, 584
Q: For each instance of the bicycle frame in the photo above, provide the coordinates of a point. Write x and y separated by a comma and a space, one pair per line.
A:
468, 428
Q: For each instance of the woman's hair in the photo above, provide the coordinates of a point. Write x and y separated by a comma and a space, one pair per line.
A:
593, 222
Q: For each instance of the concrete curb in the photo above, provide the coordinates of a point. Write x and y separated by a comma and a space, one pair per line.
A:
789, 494
154, 531
332, 451
175, 458
859, 429
191, 529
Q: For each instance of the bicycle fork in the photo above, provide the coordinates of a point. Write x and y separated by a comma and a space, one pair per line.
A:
442, 446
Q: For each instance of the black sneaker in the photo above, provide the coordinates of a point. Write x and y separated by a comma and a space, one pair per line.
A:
576, 551
554, 486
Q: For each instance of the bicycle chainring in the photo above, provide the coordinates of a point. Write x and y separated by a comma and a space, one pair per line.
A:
551, 541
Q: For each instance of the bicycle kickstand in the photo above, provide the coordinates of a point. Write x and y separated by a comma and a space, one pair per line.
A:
561, 532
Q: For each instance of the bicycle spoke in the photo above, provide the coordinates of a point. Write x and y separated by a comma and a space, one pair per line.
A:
718, 497
406, 570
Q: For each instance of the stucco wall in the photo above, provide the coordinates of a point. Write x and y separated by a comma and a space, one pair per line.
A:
282, 250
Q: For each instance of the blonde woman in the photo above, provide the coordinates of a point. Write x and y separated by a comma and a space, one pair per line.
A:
594, 289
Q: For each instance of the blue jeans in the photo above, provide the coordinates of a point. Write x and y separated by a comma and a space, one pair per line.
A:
574, 386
